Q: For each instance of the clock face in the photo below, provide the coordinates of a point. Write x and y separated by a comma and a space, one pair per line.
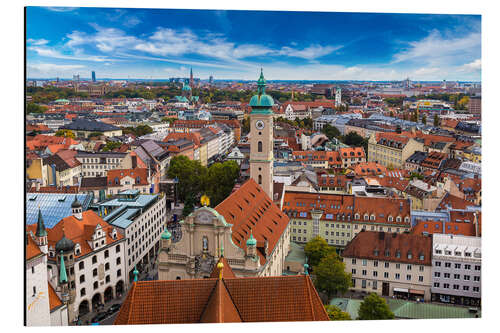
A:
259, 124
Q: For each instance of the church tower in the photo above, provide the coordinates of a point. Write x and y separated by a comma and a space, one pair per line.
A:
191, 82
261, 138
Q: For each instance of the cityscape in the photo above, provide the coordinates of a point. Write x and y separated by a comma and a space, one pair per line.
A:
182, 167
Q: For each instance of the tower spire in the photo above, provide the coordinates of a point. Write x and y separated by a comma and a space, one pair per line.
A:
63, 277
40, 225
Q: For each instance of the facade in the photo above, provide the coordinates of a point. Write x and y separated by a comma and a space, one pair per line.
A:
139, 218
352, 156
338, 218
97, 164
128, 179
390, 264
85, 260
392, 150
475, 105
456, 269
60, 170
255, 246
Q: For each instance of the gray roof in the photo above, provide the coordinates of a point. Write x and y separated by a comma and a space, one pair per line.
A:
90, 125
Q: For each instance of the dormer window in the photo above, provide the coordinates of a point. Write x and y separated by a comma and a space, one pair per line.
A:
113, 233
77, 249
372, 217
421, 256
387, 253
407, 219
398, 219
409, 256
390, 219
375, 252
398, 254
366, 217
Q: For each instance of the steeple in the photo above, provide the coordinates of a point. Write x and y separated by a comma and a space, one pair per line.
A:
63, 277
40, 225
76, 208
261, 83
191, 78
136, 273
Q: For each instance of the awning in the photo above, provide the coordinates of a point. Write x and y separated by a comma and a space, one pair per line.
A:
417, 292
401, 290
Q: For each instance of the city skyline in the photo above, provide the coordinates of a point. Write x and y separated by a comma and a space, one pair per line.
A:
162, 43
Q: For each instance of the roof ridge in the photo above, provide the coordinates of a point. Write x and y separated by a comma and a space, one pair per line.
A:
309, 297
132, 292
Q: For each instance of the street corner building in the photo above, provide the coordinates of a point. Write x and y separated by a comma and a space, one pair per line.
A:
222, 298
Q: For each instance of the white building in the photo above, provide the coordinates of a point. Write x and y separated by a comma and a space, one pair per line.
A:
140, 219
456, 269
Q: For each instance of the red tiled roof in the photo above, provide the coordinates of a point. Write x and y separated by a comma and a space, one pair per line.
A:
54, 189
54, 301
352, 152
249, 299
369, 168
249, 208
459, 225
142, 173
32, 250
366, 244
77, 231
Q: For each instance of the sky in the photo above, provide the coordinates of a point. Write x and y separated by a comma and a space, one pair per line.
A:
162, 43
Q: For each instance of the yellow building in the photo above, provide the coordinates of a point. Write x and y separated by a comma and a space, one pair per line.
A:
392, 150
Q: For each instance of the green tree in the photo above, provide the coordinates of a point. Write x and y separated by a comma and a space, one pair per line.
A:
374, 307
168, 120
424, 119
414, 117
220, 181
353, 139
391, 113
335, 313
330, 131
65, 133
436, 120
316, 249
110, 145
245, 125
35, 108
191, 175
330, 276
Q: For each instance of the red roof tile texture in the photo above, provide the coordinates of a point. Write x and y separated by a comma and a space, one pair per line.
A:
32, 250
249, 208
403, 248
256, 299
54, 300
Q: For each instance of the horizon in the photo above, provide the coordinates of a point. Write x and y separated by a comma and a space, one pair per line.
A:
326, 46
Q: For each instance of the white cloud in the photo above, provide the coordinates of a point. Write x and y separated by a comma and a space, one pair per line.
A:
61, 9
52, 53
472, 66
105, 39
51, 68
37, 41
437, 50
311, 52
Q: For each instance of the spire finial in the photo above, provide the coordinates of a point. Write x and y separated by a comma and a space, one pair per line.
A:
40, 226
136, 273
220, 266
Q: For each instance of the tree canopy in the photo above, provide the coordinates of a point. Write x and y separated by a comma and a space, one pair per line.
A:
110, 145
330, 276
335, 313
65, 133
138, 130
330, 131
316, 249
374, 307
35, 108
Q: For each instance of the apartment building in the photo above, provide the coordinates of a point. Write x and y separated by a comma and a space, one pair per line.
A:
97, 164
456, 269
338, 218
390, 264
392, 150
352, 156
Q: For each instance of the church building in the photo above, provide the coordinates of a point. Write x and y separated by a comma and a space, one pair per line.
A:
247, 226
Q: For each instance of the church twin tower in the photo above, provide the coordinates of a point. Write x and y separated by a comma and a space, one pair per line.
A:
261, 138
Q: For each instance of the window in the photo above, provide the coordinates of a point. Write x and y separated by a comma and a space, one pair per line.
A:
108, 278
106, 254
364, 262
456, 276
446, 275
438, 263
408, 277
436, 284
94, 272
375, 263
94, 259
386, 265
477, 267
82, 278
386, 275
260, 179
408, 267
420, 279
81, 265
82, 292
259, 146
446, 285
475, 289
447, 264
456, 286
33, 270
398, 266
119, 273
397, 276
353, 261
467, 266
476, 278
457, 266
375, 273
437, 274
34, 290
96, 285
398, 254
353, 271
466, 288
466, 277
363, 272
363, 283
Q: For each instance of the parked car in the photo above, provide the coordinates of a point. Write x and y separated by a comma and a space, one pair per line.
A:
98, 317
113, 308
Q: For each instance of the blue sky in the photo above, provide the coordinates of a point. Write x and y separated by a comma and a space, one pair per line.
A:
161, 43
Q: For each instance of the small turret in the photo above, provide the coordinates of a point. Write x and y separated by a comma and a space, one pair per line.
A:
251, 246
76, 208
41, 234
166, 238
136, 273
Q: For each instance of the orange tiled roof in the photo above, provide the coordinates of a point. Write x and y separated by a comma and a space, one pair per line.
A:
227, 272
369, 168
249, 299
77, 231
300, 204
54, 300
366, 244
54, 189
457, 226
142, 173
352, 152
249, 208
32, 250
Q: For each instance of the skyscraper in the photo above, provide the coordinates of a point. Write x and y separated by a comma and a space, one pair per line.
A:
93, 76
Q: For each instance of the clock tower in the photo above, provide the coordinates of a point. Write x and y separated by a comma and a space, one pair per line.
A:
261, 138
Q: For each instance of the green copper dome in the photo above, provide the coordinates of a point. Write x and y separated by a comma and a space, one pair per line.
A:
251, 241
76, 203
166, 234
261, 103
65, 244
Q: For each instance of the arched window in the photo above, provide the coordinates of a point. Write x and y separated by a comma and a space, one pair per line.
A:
260, 179
259, 146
